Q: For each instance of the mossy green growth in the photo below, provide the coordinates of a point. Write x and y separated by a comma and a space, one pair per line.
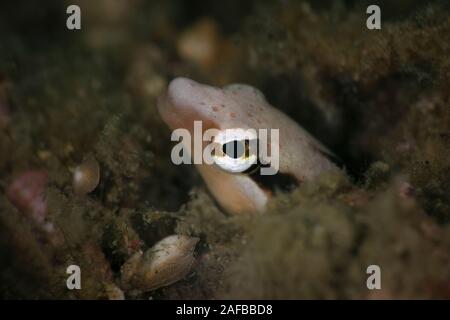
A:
311, 245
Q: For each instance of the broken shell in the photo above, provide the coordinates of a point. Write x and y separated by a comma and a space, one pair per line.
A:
86, 176
167, 262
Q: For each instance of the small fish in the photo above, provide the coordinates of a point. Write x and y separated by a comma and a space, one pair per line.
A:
239, 107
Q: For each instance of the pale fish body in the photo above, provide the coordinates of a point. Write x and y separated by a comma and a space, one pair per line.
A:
301, 157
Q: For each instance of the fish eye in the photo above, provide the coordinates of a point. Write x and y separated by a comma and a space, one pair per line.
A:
237, 151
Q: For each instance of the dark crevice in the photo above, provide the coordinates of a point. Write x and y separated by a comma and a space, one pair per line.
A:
277, 182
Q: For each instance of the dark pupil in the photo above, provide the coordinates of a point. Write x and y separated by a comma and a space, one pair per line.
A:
234, 149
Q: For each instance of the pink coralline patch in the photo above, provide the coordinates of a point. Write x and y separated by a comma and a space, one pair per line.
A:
133, 245
407, 191
27, 193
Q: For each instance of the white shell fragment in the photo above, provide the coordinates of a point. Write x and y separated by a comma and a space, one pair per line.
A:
167, 262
